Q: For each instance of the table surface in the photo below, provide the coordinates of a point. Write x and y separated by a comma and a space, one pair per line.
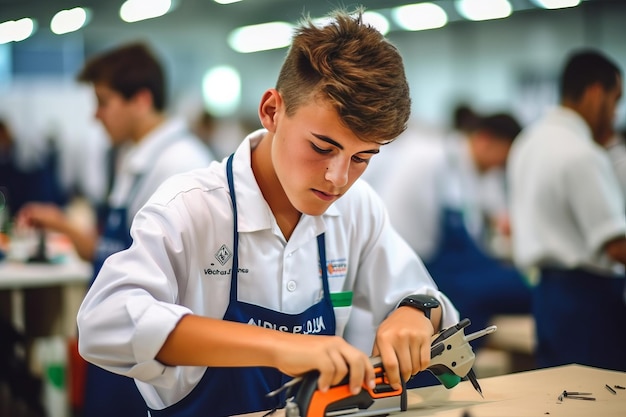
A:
524, 394
16, 275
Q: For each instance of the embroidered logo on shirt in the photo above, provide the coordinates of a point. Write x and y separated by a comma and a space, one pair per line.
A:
337, 268
223, 255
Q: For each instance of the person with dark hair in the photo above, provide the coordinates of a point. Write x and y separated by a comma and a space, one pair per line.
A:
279, 260
568, 221
446, 195
129, 85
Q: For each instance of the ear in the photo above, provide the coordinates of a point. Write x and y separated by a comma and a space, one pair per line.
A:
269, 108
594, 93
143, 98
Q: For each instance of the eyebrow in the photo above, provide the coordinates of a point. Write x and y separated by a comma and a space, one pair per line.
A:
340, 146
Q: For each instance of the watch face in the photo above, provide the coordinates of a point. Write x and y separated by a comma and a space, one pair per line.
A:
423, 300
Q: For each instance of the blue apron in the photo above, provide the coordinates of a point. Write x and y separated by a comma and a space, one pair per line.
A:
580, 318
227, 391
108, 394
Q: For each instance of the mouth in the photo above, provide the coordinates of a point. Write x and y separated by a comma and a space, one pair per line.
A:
325, 196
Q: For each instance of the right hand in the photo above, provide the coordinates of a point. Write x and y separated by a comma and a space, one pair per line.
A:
41, 216
332, 356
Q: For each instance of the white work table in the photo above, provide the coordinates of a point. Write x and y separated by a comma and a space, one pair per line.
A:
524, 394
69, 277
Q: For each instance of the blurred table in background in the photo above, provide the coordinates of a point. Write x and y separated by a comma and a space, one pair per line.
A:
43, 298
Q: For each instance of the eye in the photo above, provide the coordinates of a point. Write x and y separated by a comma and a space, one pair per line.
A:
360, 160
320, 150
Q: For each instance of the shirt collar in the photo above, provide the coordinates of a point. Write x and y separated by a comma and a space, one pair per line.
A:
564, 116
141, 156
253, 212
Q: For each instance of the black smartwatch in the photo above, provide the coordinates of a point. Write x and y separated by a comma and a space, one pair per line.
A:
421, 302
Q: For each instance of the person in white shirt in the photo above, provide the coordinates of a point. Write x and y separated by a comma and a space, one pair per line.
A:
279, 260
129, 84
444, 195
568, 221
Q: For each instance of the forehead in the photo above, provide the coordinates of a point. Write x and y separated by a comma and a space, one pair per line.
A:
321, 119
103, 90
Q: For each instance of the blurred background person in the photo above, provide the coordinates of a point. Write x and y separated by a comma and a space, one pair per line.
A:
445, 196
148, 147
568, 220
615, 144
21, 182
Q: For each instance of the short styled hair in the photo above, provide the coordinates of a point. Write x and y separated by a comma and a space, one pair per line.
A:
349, 64
128, 70
502, 126
584, 68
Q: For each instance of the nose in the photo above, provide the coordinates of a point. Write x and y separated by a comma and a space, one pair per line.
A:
337, 171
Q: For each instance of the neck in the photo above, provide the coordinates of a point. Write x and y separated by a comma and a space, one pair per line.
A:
146, 125
285, 213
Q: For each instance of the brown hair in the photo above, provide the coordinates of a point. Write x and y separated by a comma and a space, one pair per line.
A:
351, 65
128, 70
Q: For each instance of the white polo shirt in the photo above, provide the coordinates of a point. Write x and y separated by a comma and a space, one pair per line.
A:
169, 149
565, 199
174, 267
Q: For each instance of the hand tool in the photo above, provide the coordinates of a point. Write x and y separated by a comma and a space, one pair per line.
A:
452, 358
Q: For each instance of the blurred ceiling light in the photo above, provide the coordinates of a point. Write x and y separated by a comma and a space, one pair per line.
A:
221, 90
67, 21
254, 38
377, 21
556, 4
420, 16
483, 9
226, 1
16, 30
136, 10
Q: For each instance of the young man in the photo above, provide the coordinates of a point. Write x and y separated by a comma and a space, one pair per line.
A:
249, 272
568, 221
129, 84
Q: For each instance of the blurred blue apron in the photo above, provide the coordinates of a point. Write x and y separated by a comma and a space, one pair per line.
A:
227, 391
580, 318
479, 285
108, 394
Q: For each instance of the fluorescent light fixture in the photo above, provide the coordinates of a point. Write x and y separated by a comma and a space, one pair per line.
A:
16, 30
556, 4
254, 38
221, 90
226, 1
67, 21
136, 10
377, 21
483, 9
420, 16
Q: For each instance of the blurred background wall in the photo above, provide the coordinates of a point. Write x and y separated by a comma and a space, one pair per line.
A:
503, 64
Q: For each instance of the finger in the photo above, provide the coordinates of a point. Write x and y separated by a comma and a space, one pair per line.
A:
357, 373
340, 367
405, 361
424, 356
327, 372
392, 367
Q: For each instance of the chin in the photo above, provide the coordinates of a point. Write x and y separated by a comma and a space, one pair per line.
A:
313, 209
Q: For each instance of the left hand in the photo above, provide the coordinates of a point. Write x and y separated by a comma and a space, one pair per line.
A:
403, 342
